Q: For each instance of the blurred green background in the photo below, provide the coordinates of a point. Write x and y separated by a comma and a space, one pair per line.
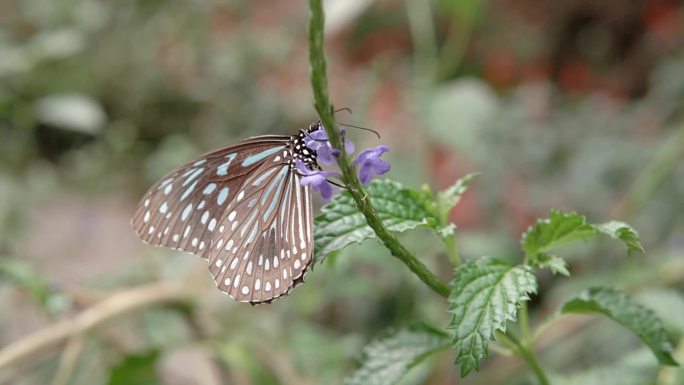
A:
570, 104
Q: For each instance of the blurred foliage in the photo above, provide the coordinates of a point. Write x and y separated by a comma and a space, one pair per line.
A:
99, 99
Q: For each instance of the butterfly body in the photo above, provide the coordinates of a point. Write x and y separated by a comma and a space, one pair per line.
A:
241, 208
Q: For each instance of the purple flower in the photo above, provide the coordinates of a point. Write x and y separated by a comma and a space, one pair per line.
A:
317, 179
318, 141
370, 163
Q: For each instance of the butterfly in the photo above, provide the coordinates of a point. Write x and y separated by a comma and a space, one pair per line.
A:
242, 209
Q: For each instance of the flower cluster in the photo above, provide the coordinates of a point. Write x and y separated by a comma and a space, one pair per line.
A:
318, 141
368, 163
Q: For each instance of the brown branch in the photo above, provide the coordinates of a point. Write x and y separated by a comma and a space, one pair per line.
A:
118, 304
67, 363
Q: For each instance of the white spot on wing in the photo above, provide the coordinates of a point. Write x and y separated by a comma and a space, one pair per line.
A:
186, 212
209, 189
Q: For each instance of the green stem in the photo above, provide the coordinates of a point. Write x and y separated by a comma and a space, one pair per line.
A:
534, 365
508, 340
449, 240
319, 83
452, 250
525, 326
527, 354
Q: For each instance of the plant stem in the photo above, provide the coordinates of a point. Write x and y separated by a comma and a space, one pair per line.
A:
525, 326
533, 363
452, 250
526, 353
319, 83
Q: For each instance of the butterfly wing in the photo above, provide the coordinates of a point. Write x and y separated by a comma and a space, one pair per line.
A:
172, 212
246, 192
264, 244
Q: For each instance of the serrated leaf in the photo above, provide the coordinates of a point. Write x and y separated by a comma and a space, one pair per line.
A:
341, 223
486, 293
388, 358
623, 232
668, 305
556, 264
449, 197
446, 231
622, 309
562, 228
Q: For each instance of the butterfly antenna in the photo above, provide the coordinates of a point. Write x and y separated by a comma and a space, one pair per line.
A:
332, 182
344, 109
361, 128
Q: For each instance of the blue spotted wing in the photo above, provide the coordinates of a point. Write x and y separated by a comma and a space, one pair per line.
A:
242, 209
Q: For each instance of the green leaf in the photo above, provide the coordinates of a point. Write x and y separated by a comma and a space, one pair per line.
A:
25, 277
486, 293
668, 305
622, 309
446, 231
556, 264
559, 229
389, 357
136, 369
341, 223
562, 228
623, 232
449, 197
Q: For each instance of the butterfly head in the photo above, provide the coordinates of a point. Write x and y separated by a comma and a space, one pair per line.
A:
300, 151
